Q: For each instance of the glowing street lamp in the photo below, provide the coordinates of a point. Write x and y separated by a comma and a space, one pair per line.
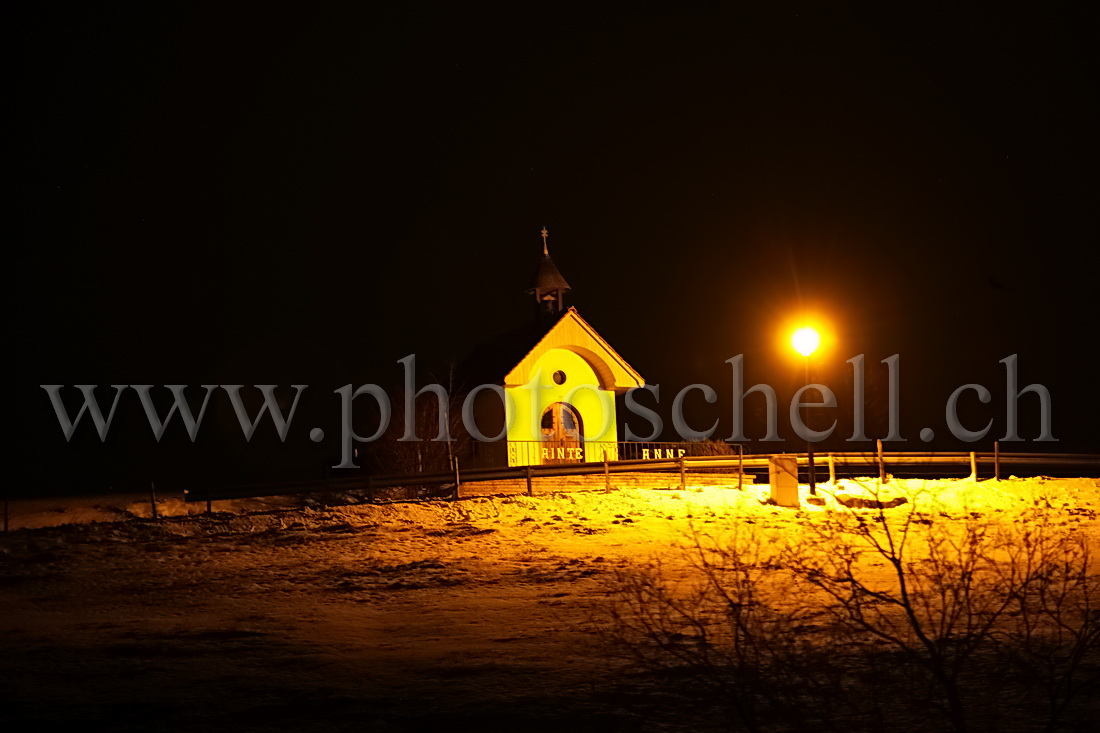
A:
805, 341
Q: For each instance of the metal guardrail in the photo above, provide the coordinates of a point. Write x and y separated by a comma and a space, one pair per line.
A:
881, 460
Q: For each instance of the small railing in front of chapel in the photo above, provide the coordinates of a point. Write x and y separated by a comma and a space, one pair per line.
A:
538, 452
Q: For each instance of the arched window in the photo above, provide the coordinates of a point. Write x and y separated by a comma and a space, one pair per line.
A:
562, 434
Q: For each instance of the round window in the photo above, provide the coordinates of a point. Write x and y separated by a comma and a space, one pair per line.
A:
559, 377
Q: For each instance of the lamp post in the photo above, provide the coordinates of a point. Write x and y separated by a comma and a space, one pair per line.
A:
805, 341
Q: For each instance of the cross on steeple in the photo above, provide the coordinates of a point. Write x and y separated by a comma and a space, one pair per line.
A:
548, 286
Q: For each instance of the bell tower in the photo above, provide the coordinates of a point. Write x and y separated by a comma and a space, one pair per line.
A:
547, 285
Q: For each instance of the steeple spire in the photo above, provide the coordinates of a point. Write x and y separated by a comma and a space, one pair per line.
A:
548, 286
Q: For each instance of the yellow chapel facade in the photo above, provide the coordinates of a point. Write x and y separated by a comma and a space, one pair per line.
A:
556, 380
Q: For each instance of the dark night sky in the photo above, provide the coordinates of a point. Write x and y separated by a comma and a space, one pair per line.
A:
235, 196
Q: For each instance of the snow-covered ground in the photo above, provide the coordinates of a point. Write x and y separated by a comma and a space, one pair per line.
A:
297, 614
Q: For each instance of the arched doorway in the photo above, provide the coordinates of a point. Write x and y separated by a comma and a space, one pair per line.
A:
562, 432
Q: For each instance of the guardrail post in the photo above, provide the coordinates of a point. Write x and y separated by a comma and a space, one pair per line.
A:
973, 466
997, 459
740, 465
458, 477
881, 462
606, 472
530, 487
832, 470
683, 477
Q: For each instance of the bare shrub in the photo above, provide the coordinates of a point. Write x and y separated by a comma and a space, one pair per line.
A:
954, 593
730, 624
1051, 634
713, 448
868, 619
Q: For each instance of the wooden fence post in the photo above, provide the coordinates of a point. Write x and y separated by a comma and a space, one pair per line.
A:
997, 459
530, 486
683, 477
881, 462
973, 466
740, 465
153, 500
606, 472
832, 470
